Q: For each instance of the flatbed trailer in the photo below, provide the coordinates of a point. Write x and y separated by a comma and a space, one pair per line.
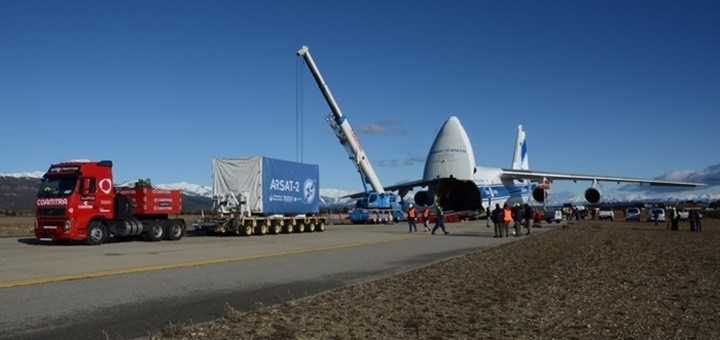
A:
261, 225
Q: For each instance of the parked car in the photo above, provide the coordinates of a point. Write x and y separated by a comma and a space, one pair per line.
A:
632, 214
606, 214
656, 214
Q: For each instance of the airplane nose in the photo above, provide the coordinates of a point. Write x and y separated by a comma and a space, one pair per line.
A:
451, 154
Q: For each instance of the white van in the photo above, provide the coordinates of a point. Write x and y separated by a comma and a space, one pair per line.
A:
606, 213
632, 214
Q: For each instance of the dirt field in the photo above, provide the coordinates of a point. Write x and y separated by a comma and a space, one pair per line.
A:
16, 225
589, 280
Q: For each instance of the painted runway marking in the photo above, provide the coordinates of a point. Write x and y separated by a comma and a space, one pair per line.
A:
132, 270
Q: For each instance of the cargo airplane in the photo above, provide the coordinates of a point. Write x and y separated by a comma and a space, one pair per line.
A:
454, 181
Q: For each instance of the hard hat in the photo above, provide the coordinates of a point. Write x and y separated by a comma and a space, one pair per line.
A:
411, 205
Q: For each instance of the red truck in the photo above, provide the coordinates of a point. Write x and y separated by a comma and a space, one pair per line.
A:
78, 201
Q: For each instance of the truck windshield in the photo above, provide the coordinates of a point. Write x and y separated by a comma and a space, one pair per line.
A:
57, 186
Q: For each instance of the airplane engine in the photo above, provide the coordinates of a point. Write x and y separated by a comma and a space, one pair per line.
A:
592, 195
539, 194
424, 198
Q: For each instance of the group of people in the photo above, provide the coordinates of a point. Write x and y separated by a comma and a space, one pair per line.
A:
439, 219
521, 215
693, 217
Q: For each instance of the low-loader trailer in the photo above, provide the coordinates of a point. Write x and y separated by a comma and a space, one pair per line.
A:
77, 200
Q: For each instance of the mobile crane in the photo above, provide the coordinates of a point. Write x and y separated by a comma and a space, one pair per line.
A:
374, 203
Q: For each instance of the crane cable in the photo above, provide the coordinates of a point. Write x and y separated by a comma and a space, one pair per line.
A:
299, 111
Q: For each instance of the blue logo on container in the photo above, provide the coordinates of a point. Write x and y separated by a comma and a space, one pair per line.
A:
309, 191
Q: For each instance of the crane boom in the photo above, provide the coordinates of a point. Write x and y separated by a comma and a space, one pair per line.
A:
342, 128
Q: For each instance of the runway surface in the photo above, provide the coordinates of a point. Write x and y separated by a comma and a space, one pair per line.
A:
126, 290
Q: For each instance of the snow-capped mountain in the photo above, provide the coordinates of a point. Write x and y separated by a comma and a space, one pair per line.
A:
335, 197
32, 174
184, 187
188, 188
329, 196
615, 197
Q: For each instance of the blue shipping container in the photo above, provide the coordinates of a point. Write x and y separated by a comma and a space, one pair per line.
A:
290, 187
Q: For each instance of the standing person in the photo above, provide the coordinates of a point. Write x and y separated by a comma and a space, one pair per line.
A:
698, 218
674, 219
426, 217
656, 214
529, 215
412, 214
517, 218
439, 219
507, 218
691, 219
496, 217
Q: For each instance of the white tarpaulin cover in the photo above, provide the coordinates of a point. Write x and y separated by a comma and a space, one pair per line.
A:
269, 186
241, 177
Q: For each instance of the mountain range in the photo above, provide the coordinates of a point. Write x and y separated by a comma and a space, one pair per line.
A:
17, 192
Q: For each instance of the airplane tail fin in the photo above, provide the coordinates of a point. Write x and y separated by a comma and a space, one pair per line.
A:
520, 156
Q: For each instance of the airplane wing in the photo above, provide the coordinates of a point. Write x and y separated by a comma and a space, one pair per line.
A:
539, 176
407, 186
402, 188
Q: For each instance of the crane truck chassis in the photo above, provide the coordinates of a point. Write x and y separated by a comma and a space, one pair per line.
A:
78, 201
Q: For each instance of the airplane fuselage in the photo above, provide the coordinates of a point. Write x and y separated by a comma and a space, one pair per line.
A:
457, 184
493, 190
479, 194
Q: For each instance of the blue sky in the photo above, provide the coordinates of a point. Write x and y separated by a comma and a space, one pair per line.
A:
627, 88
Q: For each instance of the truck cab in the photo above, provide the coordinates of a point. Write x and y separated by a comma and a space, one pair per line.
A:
77, 200
71, 194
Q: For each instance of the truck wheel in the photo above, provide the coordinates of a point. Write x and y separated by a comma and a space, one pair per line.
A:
247, 229
321, 226
262, 229
310, 227
275, 227
300, 227
288, 228
155, 232
175, 230
96, 233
